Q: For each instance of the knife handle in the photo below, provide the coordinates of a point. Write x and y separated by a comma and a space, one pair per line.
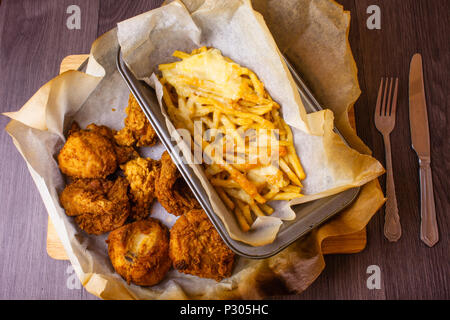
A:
428, 228
392, 227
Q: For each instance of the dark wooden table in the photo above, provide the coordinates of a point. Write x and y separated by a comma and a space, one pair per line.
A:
34, 39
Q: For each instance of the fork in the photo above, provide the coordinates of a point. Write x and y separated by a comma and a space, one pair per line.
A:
385, 122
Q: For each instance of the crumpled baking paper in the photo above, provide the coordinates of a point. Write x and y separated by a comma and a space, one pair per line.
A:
100, 96
240, 33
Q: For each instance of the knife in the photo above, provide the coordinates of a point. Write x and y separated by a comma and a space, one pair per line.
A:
420, 136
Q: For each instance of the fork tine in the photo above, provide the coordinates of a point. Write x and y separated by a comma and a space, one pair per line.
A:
383, 107
388, 105
394, 99
378, 106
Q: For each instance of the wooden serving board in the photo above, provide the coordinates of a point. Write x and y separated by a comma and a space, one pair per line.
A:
351, 243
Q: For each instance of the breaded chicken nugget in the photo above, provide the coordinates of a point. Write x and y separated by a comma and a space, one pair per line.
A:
98, 205
172, 191
141, 173
137, 128
196, 248
123, 153
139, 252
87, 154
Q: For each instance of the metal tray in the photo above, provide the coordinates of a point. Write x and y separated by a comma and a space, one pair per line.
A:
308, 215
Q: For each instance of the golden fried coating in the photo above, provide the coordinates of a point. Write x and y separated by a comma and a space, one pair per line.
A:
141, 173
172, 191
137, 128
98, 205
124, 137
139, 252
123, 153
87, 154
196, 248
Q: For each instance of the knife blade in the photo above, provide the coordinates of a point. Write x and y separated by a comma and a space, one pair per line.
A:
418, 116
420, 137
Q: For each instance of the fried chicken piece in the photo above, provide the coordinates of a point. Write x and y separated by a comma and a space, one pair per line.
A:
139, 252
196, 248
98, 205
87, 154
125, 137
172, 191
123, 153
137, 128
141, 173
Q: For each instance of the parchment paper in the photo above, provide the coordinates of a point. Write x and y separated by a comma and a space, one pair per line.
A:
241, 34
37, 131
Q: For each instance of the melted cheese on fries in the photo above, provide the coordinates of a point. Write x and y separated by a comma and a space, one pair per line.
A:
252, 156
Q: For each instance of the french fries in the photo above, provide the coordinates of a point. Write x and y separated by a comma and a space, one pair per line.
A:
252, 154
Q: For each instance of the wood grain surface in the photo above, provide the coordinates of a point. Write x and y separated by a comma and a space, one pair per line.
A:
34, 39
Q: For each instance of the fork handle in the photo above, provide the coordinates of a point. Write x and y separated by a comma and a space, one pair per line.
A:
392, 227
428, 227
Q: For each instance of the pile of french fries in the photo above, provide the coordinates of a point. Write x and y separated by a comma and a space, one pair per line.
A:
247, 148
